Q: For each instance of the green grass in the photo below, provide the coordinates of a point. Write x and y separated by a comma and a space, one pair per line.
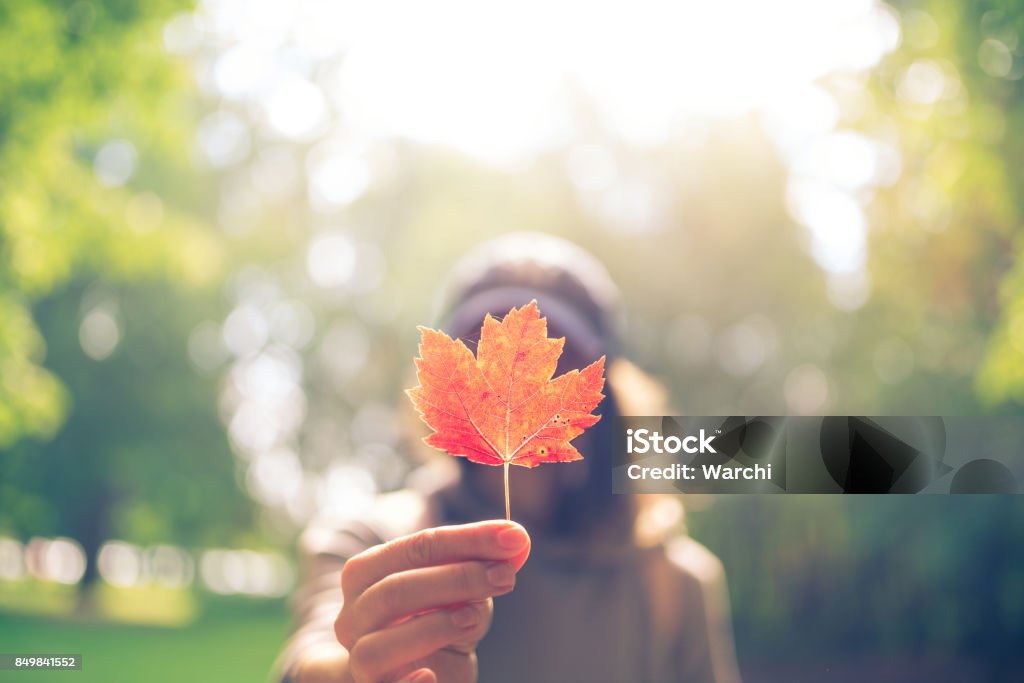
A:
228, 640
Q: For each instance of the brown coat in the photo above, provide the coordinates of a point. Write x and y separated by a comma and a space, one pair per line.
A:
612, 615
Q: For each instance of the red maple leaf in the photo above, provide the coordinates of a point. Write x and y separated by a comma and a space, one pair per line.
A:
502, 407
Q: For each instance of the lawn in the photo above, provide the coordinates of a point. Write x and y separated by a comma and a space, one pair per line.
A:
225, 640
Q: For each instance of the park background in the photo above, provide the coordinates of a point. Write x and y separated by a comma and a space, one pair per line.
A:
220, 224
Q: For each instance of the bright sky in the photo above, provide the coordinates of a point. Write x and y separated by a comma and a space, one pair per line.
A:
497, 81
493, 78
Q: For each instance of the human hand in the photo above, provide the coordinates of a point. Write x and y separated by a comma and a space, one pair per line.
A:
415, 608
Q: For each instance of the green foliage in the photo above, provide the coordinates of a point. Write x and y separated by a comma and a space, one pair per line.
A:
945, 249
73, 76
127, 442
142, 454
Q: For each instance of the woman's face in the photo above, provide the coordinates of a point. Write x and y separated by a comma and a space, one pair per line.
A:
533, 491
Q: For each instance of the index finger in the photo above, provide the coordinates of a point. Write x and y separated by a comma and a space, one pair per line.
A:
489, 540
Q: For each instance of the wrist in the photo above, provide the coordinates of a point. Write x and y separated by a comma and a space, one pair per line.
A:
322, 663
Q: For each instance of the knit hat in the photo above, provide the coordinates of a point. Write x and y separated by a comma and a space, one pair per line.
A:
572, 288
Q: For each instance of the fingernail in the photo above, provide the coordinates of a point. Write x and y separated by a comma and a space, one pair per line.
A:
465, 617
501, 575
421, 676
513, 538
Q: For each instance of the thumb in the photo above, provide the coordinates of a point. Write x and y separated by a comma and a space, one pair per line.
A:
515, 533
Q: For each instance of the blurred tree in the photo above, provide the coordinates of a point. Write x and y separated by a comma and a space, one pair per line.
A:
833, 581
941, 332
104, 426
76, 76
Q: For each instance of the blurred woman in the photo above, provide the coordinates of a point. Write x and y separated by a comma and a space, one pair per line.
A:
424, 588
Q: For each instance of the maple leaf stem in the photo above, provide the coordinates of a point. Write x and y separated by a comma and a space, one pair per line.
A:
508, 510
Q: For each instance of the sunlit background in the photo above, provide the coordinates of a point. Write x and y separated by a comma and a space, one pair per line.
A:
220, 225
